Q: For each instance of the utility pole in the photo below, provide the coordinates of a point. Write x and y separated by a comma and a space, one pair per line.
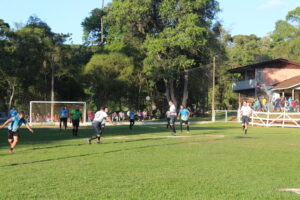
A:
213, 114
102, 29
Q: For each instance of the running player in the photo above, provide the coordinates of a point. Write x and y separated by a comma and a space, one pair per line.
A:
13, 112
184, 114
13, 129
97, 124
245, 112
76, 115
173, 115
168, 118
64, 114
131, 118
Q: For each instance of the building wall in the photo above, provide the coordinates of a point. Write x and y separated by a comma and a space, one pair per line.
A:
275, 75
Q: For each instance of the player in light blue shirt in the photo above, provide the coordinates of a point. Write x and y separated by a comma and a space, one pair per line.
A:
131, 118
13, 112
14, 124
184, 115
64, 114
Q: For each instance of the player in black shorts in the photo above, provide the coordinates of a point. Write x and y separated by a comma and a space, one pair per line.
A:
64, 114
184, 115
76, 116
245, 112
14, 124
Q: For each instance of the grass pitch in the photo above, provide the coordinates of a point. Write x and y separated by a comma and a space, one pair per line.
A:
214, 161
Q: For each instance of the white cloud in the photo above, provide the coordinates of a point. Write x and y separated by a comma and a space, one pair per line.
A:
272, 4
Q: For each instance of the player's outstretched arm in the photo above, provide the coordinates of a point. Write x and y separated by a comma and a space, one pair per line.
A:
110, 121
29, 128
5, 123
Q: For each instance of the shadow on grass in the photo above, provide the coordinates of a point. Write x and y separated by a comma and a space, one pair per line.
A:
50, 135
90, 154
80, 144
244, 137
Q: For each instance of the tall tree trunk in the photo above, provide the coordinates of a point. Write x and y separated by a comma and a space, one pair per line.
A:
185, 88
12, 85
167, 93
172, 92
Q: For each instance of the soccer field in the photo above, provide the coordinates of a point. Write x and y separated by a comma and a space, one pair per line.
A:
214, 161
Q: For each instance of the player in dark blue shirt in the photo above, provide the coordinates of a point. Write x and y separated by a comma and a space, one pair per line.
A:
64, 114
13, 112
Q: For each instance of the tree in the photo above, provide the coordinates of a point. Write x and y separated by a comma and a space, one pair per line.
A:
92, 27
173, 35
108, 75
286, 37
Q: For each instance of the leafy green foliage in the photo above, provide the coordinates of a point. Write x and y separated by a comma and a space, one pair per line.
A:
108, 74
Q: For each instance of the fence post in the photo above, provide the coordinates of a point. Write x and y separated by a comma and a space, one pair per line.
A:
283, 118
226, 116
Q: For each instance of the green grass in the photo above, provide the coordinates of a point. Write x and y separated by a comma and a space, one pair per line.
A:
144, 164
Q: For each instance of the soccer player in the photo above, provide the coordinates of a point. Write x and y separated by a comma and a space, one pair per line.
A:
13, 112
97, 124
131, 118
13, 129
64, 114
173, 115
245, 112
76, 115
168, 118
184, 114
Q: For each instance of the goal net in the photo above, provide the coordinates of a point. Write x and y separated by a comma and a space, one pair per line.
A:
49, 111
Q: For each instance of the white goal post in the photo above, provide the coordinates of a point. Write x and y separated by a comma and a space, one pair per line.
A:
49, 111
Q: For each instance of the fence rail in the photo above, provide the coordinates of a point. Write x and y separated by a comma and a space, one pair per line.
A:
266, 119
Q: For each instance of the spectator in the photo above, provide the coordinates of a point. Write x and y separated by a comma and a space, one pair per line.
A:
277, 104
263, 104
289, 104
145, 115
294, 105
90, 115
115, 117
257, 105
121, 116
140, 115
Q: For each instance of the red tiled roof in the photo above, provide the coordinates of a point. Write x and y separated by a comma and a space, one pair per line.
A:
264, 64
289, 83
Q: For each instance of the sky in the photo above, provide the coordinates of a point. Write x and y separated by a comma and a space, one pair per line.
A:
65, 16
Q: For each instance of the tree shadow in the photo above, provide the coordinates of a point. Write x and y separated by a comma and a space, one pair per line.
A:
89, 154
48, 135
245, 137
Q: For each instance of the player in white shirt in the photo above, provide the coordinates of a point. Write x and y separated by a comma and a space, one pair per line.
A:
245, 113
173, 115
100, 117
